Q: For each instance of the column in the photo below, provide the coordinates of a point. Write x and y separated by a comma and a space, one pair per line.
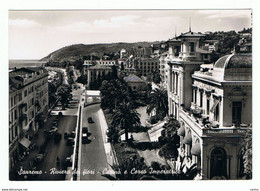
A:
89, 77
181, 90
172, 79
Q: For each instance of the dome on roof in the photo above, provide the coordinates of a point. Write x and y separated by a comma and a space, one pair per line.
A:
234, 61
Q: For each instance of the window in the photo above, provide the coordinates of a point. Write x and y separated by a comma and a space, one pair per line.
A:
236, 112
10, 136
15, 114
201, 98
191, 47
11, 102
16, 131
208, 106
20, 96
12, 116
25, 93
195, 96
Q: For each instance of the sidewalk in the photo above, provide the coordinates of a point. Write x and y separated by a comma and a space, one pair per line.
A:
148, 155
27, 162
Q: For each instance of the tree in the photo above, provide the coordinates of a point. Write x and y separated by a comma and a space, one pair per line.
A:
114, 92
113, 135
247, 154
64, 93
126, 118
158, 102
156, 77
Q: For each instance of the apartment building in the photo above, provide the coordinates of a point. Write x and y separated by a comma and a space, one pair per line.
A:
28, 105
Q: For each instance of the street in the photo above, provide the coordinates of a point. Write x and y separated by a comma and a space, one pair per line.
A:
60, 149
93, 157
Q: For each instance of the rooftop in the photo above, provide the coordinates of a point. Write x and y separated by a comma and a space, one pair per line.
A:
190, 34
132, 78
235, 61
99, 66
229, 68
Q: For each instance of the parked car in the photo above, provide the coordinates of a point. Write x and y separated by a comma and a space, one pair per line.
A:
84, 138
72, 134
39, 158
90, 120
84, 130
54, 123
70, 141
57, 137
68, 161
54, 127
66, 135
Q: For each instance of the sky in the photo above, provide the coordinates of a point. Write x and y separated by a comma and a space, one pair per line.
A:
35, 34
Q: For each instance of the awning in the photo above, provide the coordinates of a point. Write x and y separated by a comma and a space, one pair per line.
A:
187, 139
181, 131
196, 150
214, 105
25, 142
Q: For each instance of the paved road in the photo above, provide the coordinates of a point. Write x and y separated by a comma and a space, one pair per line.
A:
93, 157
66, 124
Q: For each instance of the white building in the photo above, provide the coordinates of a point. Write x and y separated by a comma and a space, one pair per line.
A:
214, 125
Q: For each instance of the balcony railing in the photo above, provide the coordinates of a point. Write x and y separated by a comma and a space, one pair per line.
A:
196, 124
233, 131
192, 56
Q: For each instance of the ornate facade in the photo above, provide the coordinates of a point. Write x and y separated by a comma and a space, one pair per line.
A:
213, 106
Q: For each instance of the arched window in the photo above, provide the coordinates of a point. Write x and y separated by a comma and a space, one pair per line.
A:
218, 163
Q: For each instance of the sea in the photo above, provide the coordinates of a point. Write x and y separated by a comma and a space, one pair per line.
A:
25, 63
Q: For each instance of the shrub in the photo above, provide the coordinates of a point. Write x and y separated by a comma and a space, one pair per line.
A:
168, 151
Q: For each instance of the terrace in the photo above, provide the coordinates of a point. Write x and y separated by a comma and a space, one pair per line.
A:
203, 127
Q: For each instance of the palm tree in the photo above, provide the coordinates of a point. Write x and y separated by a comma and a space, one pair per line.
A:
112, 93
158, 102
126, 118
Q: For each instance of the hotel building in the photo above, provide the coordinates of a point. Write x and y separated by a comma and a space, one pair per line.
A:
28, 106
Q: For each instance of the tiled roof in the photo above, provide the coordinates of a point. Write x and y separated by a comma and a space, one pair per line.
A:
190, 34
133, 78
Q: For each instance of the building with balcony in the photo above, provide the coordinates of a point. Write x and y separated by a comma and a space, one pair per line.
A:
182, 60
213, 126
183, 49
28, 105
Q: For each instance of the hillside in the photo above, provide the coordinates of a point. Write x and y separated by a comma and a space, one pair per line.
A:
73, 52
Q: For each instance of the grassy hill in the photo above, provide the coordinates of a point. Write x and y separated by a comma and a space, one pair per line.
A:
73, 52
